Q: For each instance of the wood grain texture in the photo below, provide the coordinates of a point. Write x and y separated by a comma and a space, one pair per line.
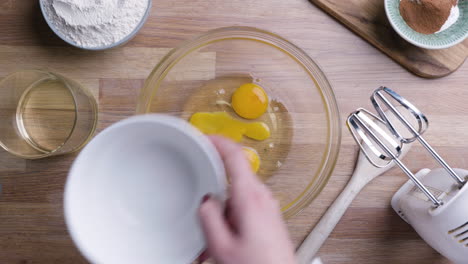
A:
367, 18
32, 228
364, 173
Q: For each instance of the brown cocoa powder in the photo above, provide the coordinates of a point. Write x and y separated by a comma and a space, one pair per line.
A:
426, 16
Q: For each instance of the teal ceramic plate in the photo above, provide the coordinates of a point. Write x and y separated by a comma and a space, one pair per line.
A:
445, 39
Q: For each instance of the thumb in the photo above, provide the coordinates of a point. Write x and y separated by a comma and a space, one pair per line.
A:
217, 232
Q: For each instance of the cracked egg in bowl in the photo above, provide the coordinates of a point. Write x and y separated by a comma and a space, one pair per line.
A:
261, 91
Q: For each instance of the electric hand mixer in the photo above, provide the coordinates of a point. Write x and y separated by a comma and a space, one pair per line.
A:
435, 206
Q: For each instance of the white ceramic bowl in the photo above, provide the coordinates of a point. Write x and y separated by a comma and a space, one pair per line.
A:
113, 45
133, 193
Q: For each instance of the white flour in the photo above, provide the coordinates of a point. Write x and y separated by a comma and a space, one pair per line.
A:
95, 23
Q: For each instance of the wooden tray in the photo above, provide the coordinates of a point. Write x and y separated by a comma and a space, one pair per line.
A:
367, 18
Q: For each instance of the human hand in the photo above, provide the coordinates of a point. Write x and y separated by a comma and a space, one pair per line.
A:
251, 229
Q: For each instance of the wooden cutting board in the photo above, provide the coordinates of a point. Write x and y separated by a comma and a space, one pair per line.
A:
367, 18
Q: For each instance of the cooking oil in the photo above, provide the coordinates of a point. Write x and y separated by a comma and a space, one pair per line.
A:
46, 115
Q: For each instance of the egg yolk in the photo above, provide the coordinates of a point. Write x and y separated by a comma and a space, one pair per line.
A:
253, 158
221, 123
250, 101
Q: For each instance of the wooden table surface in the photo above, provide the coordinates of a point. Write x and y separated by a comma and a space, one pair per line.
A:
32, 228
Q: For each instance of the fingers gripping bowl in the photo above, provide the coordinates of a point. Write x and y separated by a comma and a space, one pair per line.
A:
302, 115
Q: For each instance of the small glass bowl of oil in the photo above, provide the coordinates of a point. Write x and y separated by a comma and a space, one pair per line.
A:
44, 114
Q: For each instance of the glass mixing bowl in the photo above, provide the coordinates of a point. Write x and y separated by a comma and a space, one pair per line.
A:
201, 75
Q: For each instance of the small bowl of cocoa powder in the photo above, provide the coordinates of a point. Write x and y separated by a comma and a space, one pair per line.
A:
429, 24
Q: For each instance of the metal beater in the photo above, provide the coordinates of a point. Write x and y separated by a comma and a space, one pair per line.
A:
433, 205
386, 146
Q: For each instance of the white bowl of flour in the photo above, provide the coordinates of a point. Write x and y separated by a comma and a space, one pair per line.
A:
95, 24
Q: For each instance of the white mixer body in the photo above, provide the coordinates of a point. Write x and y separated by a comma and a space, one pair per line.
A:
444, 228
